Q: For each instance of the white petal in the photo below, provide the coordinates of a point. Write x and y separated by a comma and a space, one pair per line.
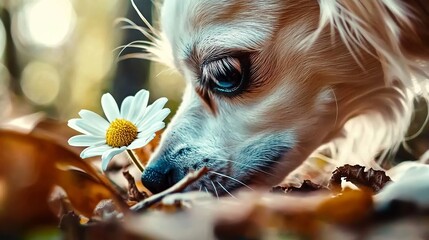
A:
110, 107
108, 155
152, 109
151, 130
94, 119
72, 124
126, 106
85, 140
141, 142
89, 128
94, 151
157, 117
138, 106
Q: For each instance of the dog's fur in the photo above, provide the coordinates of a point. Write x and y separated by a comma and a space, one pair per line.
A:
336, 76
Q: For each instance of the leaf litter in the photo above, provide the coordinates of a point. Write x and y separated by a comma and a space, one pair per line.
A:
45, 183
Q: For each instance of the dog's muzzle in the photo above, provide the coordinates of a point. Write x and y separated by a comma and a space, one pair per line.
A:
161, 174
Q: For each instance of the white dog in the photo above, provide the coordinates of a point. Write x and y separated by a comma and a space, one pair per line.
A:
269, 82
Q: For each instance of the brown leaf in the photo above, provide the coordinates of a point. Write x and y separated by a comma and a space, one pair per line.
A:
134, 193
28, 173
31, 164
349, 207
72, 229
105, 208
88, 169
57, 131
83, 191
306, 187
372, 179
70, 225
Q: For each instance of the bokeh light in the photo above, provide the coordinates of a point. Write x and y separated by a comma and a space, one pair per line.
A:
45, 23
40, 83
62, 59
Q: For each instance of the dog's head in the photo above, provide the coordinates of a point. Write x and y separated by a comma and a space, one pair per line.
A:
261, 93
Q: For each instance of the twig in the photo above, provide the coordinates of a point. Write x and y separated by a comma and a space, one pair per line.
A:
178, 187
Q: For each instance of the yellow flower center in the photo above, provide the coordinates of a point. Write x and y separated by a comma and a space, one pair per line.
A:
121, 133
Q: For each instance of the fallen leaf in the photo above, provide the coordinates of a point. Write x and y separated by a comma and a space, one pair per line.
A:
306, 187
83, 191
372, 179
134, 193
57, 131
32, 164
27, 172
348, 207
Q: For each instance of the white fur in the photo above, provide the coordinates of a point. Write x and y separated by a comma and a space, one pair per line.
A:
371, 134
362, 138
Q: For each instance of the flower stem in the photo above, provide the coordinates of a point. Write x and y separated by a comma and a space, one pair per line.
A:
135, 160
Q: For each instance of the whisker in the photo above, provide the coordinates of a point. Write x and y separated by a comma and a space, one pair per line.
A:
207, 191
141, 29
128, 45
230, 194
142, 17
154, 49
233, 179
124, 47
214, 187
145, 31
145, 56
144, 45
201, 186
250, 167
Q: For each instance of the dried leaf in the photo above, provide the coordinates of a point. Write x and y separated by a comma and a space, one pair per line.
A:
72, 229
134, 193
306, 187
83, 191
27, 173
59, 203
31, 165
374, 180
349, 207
70, 225
65, 163
105, 209
57, 131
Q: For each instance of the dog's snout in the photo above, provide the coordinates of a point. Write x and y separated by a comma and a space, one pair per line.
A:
161, 175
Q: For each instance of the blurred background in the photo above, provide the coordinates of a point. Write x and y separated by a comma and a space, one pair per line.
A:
58, 56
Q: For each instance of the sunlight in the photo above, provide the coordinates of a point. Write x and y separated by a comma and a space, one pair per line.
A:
46, 22
36, 76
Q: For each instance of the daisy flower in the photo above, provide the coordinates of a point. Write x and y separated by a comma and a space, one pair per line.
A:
133, 126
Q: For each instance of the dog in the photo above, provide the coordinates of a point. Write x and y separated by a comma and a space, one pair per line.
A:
269, 83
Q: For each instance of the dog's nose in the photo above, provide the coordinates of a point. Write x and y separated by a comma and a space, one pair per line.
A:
160, 175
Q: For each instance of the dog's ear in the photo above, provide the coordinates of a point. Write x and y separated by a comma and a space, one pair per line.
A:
415, 40
395, 32
387, 22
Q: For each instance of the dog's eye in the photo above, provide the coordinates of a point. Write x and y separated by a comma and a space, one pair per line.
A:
225, 75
